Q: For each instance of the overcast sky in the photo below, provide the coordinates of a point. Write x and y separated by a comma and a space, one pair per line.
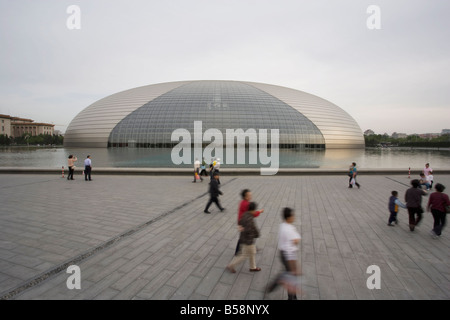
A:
396, 78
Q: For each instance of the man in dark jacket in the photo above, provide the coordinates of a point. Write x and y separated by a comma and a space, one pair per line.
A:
413, 198
214, 193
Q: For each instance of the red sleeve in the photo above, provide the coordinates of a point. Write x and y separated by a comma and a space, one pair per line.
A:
243, 208
257, 213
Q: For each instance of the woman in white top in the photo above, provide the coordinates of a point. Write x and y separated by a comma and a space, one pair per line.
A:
427, 170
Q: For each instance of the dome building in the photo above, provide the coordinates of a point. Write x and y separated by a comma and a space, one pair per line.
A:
146, 117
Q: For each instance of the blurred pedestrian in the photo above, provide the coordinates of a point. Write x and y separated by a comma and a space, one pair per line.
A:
246, 195
424, 181
288, 243
87, 168
214, 193
427, 170
438, 203
203, 168
197, 171
211, 168
71, 164
394, 204
413, 198
217, 167
353, 172
248, 236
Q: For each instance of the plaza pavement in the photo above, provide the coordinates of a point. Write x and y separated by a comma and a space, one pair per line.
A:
146, 237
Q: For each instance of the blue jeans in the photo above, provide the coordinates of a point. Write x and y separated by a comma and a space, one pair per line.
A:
426, 184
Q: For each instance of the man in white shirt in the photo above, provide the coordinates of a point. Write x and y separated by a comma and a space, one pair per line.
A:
288, 241
87, 168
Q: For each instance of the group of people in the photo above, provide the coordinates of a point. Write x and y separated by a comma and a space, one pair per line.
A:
87, 167
438, 203
289, 239
200, 169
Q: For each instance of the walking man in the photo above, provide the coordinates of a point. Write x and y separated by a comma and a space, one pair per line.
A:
413, 199
214, 193
87, 168
288, 242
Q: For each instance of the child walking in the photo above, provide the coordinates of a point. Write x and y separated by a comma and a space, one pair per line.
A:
394, 203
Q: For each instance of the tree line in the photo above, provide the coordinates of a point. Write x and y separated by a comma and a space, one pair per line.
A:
27, 139
414, 141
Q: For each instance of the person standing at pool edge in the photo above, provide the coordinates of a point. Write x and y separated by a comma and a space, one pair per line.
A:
71, 164
87, 168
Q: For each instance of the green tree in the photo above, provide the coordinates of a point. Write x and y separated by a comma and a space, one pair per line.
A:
4, 140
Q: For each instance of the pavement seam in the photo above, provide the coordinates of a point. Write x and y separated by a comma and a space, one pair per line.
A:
398, 182
28, 183
63, 266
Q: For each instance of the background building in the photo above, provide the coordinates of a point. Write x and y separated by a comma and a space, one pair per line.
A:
147, 116
16, 127
5, 125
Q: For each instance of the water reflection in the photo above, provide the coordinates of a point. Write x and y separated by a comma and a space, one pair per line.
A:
142, 158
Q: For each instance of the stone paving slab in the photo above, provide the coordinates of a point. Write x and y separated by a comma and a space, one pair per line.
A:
169, 249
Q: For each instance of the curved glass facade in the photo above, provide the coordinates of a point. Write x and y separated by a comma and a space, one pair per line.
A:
220, 105
146, 116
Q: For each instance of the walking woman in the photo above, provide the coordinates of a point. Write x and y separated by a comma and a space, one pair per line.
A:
438, 202
71, 164
248, 237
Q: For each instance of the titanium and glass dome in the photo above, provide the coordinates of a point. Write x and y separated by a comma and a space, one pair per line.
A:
147, 116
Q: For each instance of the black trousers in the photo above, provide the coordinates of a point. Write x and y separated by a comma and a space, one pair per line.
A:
439, 221
70, 175
215, 200
415, 215
87, 173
